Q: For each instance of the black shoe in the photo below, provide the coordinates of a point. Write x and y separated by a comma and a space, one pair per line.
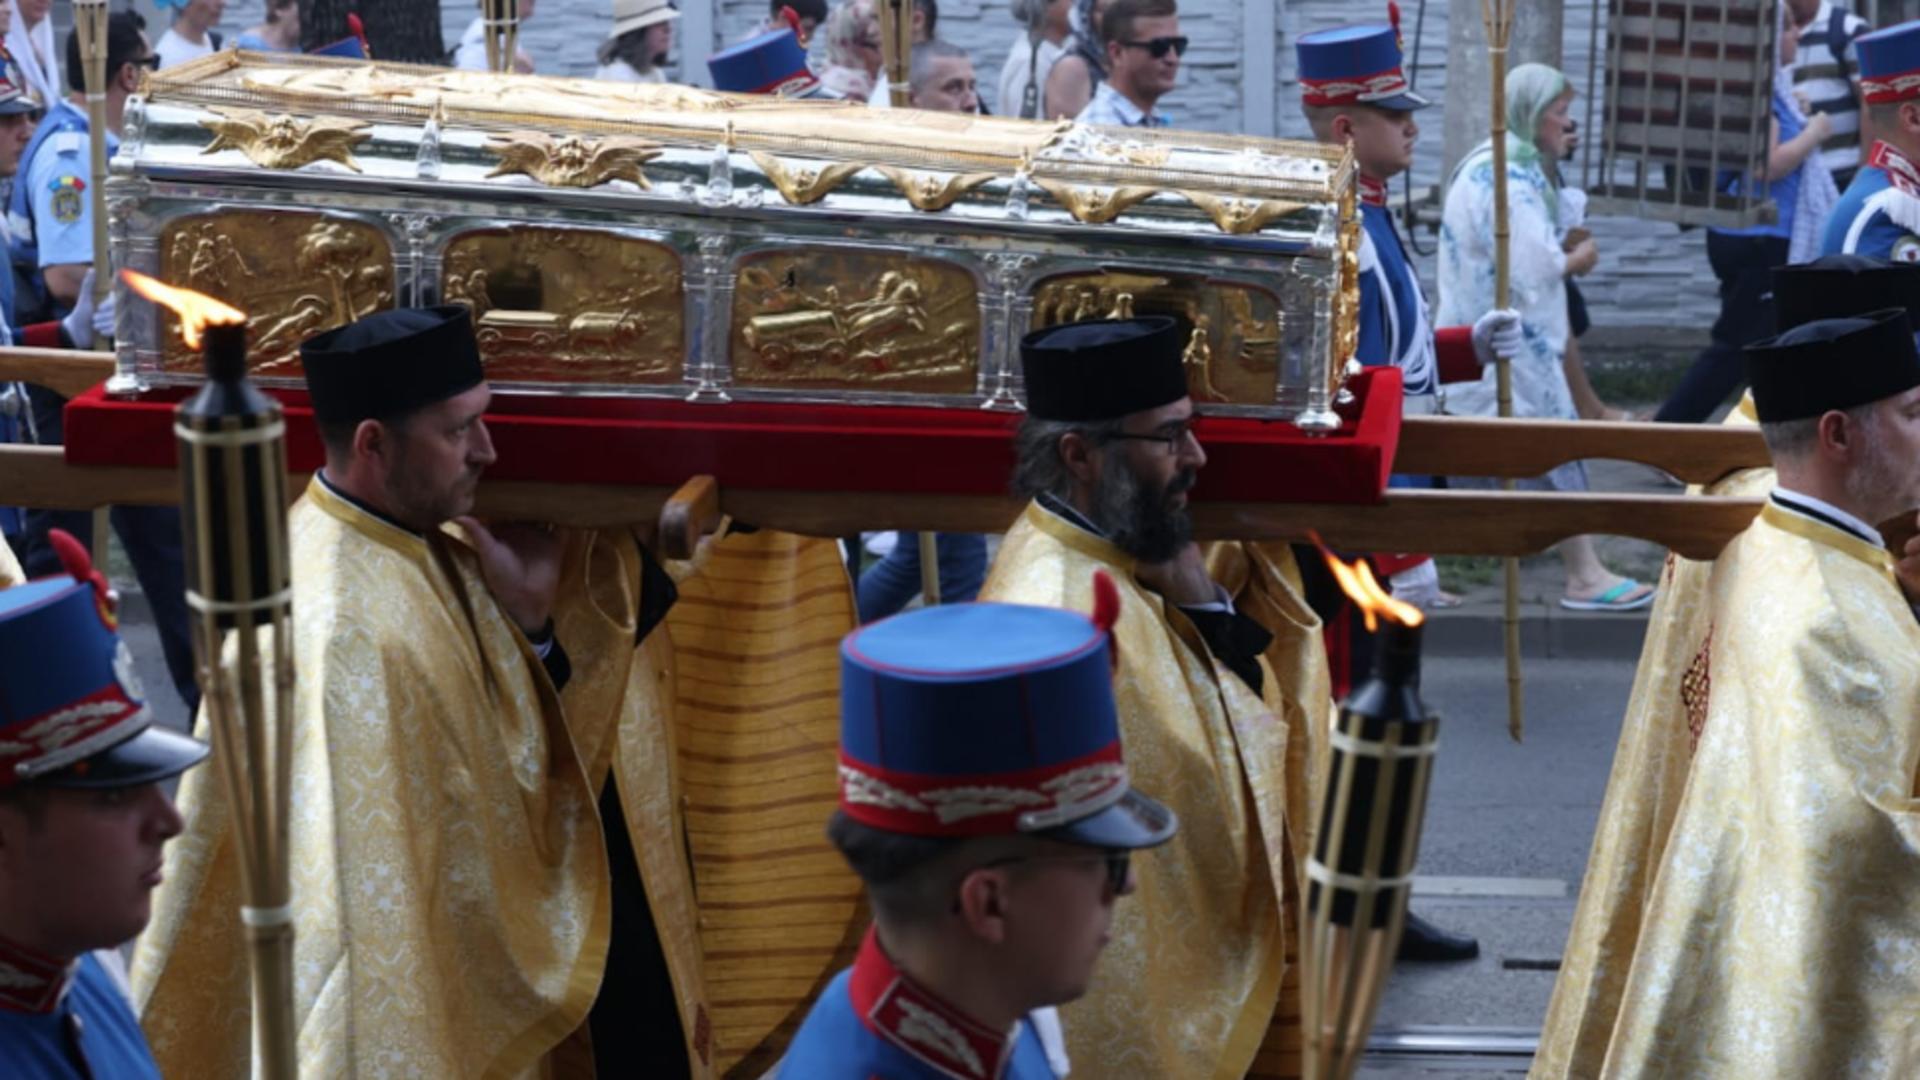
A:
1423, 942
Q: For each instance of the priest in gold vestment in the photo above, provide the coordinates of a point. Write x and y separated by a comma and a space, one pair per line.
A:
1190, 982
1667, 712
1779, 935
451, 889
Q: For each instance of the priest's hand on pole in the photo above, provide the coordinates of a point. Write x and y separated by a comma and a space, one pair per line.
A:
1182, 580
521, 565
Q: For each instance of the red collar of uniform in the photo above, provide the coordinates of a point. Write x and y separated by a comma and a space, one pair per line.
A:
1902, 171
905, 1014
1373, 192
31, 981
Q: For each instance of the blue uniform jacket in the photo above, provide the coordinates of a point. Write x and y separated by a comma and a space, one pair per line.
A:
873, 1023
1879, 213
87, 1031
1394, 325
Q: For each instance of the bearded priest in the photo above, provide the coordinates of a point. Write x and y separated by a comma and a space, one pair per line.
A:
451, 893
1107, 453
1777, 937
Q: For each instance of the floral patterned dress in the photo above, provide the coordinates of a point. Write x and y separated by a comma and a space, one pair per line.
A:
1538, 279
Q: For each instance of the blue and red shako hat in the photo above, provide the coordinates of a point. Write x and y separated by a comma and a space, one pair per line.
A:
988, 720
1890, 63
1356, 65
771, 63
71, 710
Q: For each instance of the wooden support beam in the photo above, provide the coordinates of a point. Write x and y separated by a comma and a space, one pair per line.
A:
1442, 522
65, 371
1474, 446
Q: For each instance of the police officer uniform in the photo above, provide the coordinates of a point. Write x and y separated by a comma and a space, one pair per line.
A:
72, 715
1879, 213
957, 721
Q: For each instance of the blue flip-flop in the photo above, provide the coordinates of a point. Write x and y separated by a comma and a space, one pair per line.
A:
1613, 599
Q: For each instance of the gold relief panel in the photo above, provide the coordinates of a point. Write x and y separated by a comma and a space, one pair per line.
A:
295, 273
1232, 329
569, 305
855, 320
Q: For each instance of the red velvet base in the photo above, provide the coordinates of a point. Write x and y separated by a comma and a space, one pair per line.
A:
761, 445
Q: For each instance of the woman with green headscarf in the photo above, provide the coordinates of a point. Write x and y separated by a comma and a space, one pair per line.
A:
1540, 133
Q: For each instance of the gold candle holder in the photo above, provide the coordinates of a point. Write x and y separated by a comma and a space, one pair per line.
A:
896, 48
501, 19
233, 476
90, 28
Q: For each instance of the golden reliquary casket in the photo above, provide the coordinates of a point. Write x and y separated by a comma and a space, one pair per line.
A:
617, 239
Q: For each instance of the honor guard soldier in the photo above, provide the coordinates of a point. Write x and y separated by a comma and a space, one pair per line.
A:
985, 802
1879, 213
82, 822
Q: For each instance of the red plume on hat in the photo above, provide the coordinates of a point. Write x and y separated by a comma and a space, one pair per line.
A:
1393, 16
1106, 611
792, 19
76, 562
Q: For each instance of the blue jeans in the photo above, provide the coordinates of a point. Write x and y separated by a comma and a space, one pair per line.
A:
152, 538
894, 581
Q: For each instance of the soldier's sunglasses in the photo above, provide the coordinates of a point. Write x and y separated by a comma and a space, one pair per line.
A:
1160, 46
1119, 863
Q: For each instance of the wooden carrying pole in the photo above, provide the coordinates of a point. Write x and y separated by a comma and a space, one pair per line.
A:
500, 22
1497, 16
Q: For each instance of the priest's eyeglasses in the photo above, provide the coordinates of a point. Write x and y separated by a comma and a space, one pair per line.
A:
1174, 435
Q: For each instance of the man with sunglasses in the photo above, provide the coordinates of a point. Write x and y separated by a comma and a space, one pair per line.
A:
985, 803
1108, 452
1144, 47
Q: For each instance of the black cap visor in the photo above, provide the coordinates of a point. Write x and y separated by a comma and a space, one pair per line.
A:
152, 755
1136, 821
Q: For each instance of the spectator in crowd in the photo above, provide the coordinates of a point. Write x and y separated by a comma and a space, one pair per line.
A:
1539, 131
192, 35
1081, 70
471, 53
636, 48
926, 15
1803, 194
853, 50
942, 80
1825, 74
1144, 47
1023, 78
10, 68
30, 41
279, 33
810, 14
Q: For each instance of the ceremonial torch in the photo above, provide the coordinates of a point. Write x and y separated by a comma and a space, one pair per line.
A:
233, 501
896, 48
90, 28
501, 21
1497, 17
1362, 865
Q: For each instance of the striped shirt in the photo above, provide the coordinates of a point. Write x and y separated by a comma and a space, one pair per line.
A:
1831, 85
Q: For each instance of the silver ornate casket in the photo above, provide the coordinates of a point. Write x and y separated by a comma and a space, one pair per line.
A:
659, 240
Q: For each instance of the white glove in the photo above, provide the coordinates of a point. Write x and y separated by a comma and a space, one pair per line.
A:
103, 318
79, 323
1496, 335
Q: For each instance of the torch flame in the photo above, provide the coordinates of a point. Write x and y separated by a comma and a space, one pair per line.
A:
197, 311
1375, 603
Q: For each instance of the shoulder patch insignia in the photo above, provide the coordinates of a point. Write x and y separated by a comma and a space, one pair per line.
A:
67, 191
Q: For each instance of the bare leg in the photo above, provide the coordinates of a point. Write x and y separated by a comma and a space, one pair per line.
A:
1587, 576
1585, 402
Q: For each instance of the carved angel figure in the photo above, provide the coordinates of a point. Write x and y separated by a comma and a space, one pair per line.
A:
285, 142
573, 161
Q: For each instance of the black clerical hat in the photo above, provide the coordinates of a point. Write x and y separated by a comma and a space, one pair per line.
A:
1103, 370
391, 363
1838, 286
1833, 364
